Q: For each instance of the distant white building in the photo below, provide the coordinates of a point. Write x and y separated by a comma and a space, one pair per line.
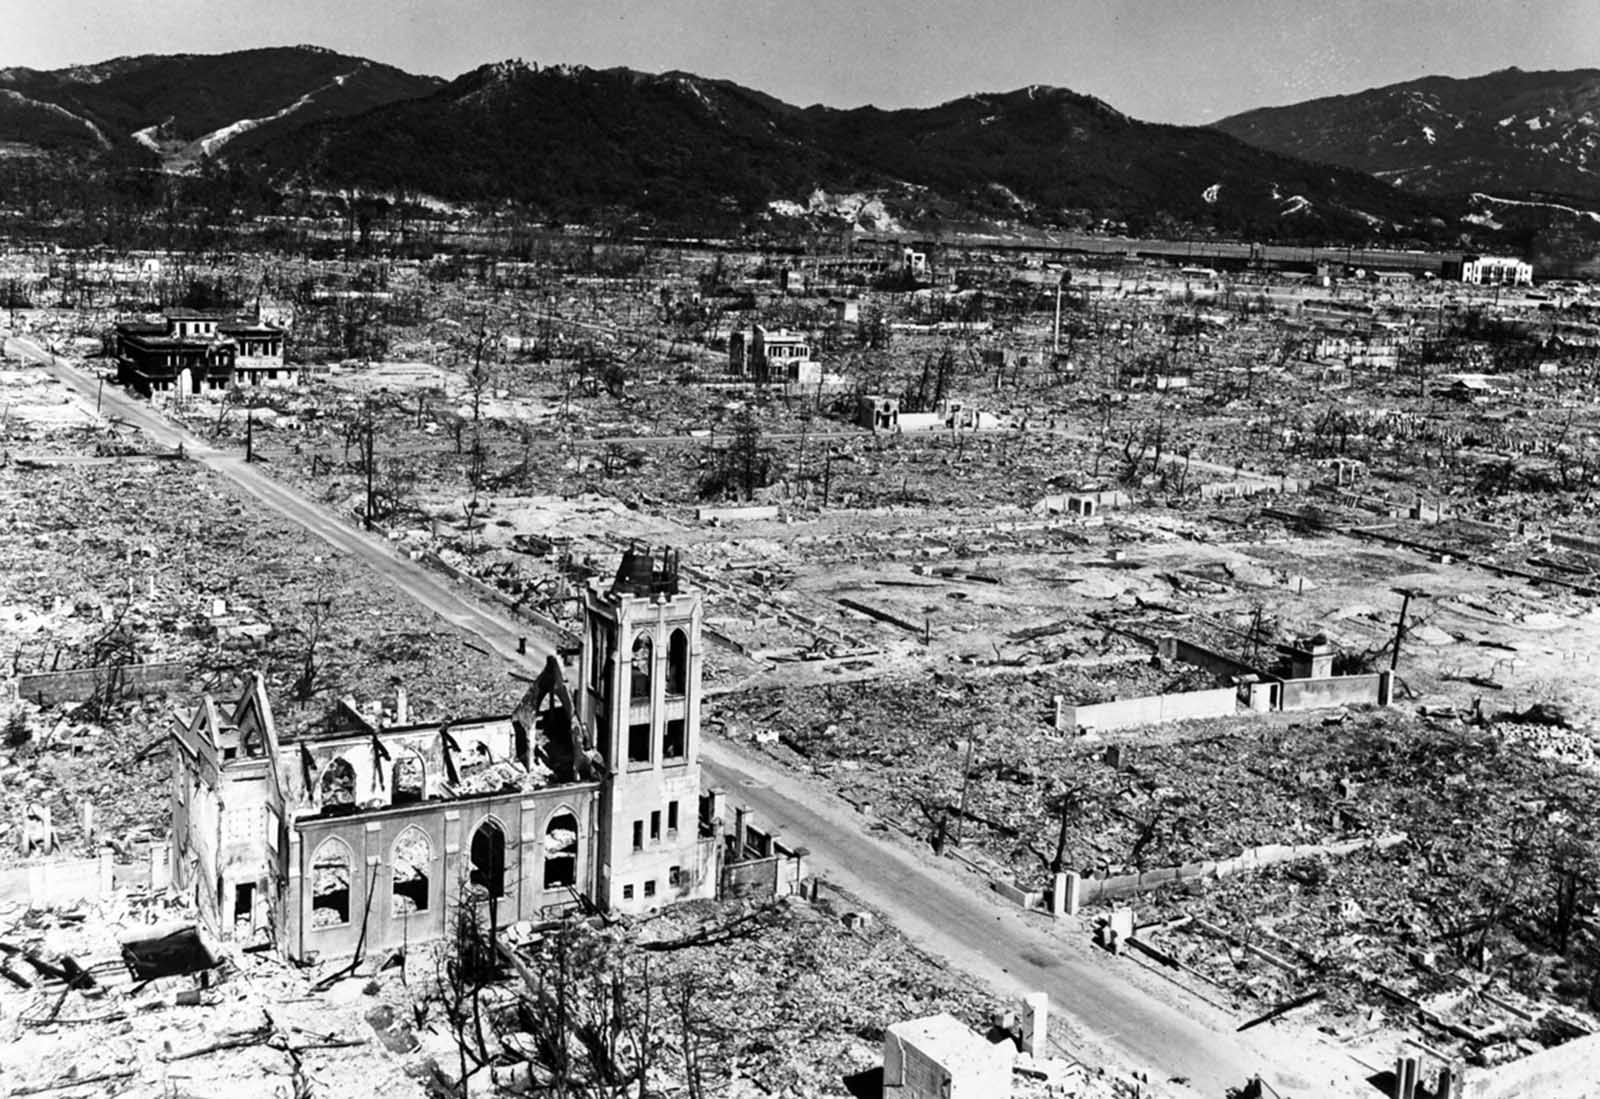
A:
1496, 271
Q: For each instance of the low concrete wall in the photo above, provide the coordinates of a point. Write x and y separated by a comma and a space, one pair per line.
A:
1251, 858
1017, 895
58, 881
79, 685
1152, 710
1567, 1071
729, 515
1338, 690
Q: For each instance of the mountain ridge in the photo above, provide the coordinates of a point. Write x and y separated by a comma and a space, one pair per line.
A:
573, 139
574, 143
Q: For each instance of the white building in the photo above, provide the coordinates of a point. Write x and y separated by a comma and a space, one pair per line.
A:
1496, 271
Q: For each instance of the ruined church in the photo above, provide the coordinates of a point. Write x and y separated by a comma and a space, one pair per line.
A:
365, 831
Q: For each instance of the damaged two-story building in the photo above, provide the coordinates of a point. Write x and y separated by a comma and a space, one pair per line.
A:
364, 832
192, 352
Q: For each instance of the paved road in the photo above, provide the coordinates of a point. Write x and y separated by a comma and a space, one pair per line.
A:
946, 915
431, 591
950, 915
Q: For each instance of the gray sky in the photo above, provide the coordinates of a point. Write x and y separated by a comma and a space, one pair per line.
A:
1185, 61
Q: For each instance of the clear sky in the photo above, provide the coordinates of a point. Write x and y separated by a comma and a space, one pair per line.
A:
1185, 61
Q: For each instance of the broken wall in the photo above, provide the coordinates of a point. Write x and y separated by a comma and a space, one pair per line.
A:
44, 883
359, 856
124, 681
1251, 858
1186, 652
1152, 710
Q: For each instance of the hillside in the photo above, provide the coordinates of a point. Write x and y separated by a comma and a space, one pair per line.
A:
567, 140
176, 109
1507, 133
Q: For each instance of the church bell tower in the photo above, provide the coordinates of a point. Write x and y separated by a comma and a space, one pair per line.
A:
640, 700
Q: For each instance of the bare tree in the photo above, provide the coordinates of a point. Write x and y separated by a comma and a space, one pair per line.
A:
312, 629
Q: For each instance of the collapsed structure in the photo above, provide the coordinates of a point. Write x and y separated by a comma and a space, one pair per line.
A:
366, 831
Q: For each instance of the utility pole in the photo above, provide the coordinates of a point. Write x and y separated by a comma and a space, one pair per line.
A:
1400, 626
250, 435
1056, 345
370, 462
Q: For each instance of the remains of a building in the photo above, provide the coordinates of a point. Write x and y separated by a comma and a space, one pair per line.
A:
940, 1057
884, 414
194, 352
772, 356
365, 832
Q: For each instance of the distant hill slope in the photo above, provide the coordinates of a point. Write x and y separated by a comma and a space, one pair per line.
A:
1508, 132
174, 109
573, 139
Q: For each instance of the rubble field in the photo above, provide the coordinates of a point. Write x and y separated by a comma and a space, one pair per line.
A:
126, 563
797, 1006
